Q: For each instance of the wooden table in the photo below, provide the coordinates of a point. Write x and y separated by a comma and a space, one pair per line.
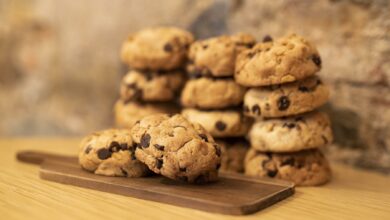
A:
353, 194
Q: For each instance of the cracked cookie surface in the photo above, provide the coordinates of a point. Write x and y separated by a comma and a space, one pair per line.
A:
287, 59
220, 123
286, 99
126, 114
111, 153
212, 93
289, 134
216, 56
151, 86
176, 148
304, 168
159, 48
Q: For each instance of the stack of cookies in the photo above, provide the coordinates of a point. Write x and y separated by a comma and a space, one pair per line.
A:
156, 57
284, 93
212, 98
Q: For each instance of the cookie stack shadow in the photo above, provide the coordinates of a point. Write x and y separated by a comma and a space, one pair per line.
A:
156, 59
283, 96
213, 99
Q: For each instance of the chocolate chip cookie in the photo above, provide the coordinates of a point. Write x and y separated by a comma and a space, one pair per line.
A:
176, 148
220, 123
286, 99
233, 154
285, 60
289, 134
111, 153
159, 48
212, 93
127, 113
304, 168
151, 85
216, 56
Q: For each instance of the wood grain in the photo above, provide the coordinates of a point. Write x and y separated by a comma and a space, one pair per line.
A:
352, 194
232, 194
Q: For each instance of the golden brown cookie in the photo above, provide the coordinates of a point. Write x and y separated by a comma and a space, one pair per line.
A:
287, 59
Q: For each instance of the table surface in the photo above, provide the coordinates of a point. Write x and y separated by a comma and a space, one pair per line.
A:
352, 194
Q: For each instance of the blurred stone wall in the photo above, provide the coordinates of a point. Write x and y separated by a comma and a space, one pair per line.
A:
60, 69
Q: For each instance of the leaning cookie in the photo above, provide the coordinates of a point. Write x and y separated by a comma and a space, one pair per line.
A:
177, 148
220, 123
291, 134
304, 168
288, 59
286, 99
127, 113
151, 85
233, 154
160, 48
209, 93
111, 153
216, 56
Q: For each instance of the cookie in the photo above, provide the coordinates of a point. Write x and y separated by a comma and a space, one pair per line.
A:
212, 93
310, 130
216, 56
160, 48
126, 114
286, 99
111, 153
233, 154
288, 59
220, 123
304, 168
176, 148
151, 86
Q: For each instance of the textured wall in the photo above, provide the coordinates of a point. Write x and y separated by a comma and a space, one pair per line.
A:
60, 69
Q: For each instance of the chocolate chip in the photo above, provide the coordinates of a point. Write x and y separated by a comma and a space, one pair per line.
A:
186, 46
124, 146
250, 55
325, 139
303, 89
168, 47
272, 173
182, 178
159, 163
267, 38
269, 154
246, 108
133, 156
114, 146
220, 125
124, 172
88, 149
183, 169
217, 150
103, 154
204, 137
256, 109
159, 147
201, 179
289, 125
205, 46
138, 94
196, 73
289, 161
319, 82
299, 118
145, 140
316, 59
218, 166
283, 103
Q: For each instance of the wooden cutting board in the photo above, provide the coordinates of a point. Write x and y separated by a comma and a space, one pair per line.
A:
233, 194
